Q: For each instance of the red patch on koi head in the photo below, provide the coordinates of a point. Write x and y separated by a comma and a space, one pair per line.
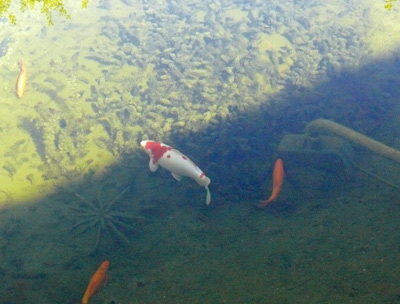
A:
184, 157
157, 150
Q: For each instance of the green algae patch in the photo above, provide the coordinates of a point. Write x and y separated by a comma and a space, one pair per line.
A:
384, 37
199, 16
237, 15
273, 42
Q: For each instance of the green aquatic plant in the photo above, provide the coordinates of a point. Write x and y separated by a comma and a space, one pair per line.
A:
102, 216
389, 4
48, 7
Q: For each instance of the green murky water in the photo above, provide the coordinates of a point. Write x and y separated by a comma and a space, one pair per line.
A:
222, 81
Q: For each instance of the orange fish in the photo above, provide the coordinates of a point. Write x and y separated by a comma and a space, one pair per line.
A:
21, 81
97, 280
278, 176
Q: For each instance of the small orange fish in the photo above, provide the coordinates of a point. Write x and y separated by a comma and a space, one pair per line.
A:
97, 280
278, 176
21, 81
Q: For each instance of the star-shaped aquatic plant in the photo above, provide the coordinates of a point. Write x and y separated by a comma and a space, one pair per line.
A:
102, 216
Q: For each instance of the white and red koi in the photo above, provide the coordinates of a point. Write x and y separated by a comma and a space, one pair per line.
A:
21, 81
174, 161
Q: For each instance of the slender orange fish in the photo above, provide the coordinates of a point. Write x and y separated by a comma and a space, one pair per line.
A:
97, 280
21, 81
278, 176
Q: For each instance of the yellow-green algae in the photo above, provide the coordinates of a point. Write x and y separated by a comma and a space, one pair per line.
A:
385, 38
61, 77
25, 176
389, 4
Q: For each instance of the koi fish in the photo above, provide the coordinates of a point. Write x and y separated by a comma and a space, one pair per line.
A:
278, 176
174, 161
97, 280
21, 81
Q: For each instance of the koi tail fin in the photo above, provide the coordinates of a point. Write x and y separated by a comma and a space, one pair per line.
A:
208, 198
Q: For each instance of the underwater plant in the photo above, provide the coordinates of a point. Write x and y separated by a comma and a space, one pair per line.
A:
102, 216
48, 6
389, 4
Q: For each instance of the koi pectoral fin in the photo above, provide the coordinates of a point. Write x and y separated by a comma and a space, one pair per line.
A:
177, 176
153, 165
